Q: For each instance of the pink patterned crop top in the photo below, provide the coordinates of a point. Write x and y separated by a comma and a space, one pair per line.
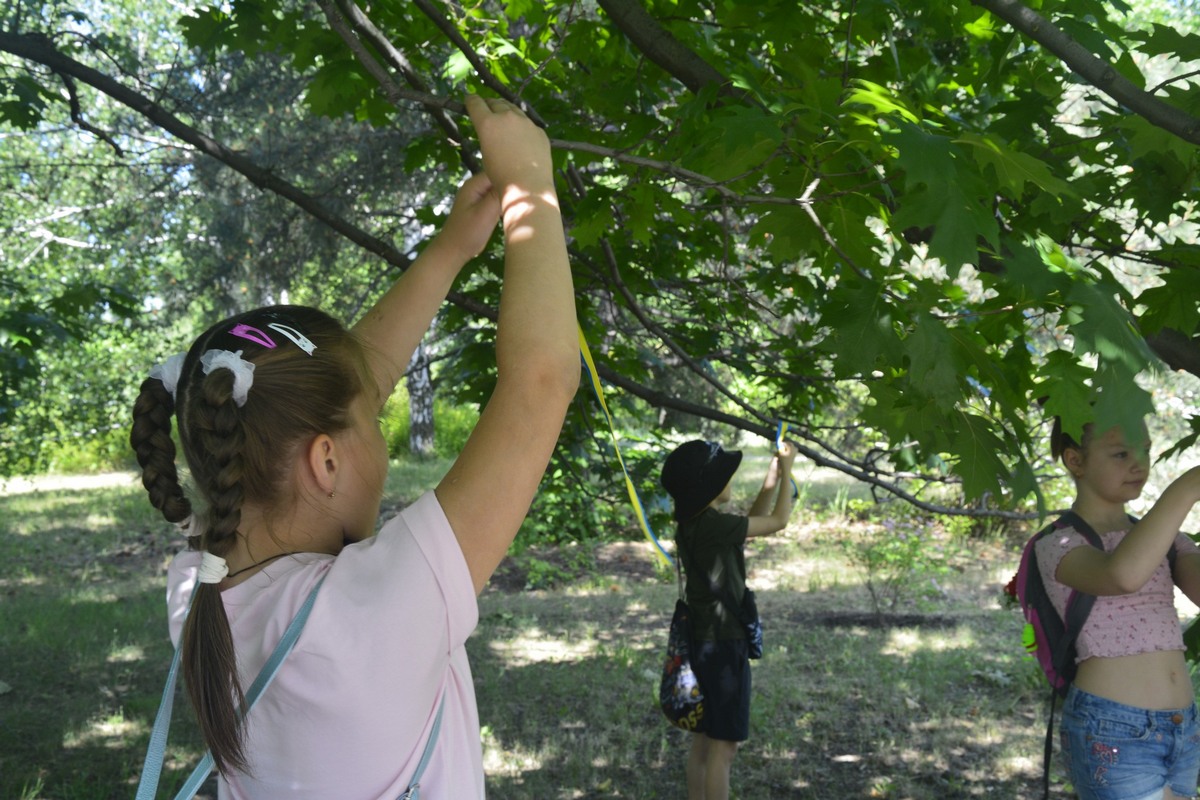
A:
1119, 625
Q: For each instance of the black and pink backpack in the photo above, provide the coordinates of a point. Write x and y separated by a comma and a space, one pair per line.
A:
1050, 638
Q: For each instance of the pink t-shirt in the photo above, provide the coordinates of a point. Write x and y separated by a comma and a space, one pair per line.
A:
353, 705
1119, 625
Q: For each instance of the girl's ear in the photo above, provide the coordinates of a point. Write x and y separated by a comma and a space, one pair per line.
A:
322, 462
1072, 459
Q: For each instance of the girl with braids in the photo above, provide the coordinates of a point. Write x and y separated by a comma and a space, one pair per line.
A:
277, 414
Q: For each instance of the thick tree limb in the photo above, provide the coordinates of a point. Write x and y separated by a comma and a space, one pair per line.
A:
1178, 350
657, 44
1099, 73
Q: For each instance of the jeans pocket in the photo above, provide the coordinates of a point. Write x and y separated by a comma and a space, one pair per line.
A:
1120, 728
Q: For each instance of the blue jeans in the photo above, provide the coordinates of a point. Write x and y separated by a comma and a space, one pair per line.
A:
1119, 752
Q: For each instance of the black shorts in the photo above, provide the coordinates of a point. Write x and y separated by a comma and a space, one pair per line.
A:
723, 669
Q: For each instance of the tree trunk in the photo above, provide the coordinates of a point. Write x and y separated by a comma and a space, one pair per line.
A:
420, 404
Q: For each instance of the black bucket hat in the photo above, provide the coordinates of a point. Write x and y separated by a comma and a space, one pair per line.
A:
695, 473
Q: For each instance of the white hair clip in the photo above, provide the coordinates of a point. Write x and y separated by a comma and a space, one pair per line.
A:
169, 371
213, 569
243, 371
298, 338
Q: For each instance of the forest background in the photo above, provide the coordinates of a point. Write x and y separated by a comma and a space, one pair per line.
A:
912, 232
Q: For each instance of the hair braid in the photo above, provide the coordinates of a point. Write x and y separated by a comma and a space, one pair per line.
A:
150, 438
221, 436
209, 659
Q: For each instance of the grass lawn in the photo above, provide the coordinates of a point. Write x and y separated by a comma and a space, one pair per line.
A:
930, 699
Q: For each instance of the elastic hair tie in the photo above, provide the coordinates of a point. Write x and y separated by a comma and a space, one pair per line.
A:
168, 372
243, 371
213, 569
186, 524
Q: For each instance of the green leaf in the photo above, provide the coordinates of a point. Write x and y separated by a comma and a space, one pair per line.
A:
933, 368
1174, 304
879, 98
1166, 40
1120, 401
927, 159
977, 448
863, 338
735, 142
1101, 326
1015, 171
1067, 392
958, 222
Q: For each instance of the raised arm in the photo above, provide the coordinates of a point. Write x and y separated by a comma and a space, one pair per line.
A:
394, 326
778, 474
1131, 563
488, 491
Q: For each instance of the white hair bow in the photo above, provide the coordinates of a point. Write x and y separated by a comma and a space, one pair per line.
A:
168, 372
243, 371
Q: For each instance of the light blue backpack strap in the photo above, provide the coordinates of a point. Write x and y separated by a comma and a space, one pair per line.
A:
265, 676
413, 792
152, 766
156, 751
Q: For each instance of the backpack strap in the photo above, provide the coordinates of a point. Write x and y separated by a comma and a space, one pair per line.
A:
152, 766
413, 792
1078, 608
1079, 604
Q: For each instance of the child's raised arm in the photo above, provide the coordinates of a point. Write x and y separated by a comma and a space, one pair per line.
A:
1131, 563
487, 493
393, 327
775, 482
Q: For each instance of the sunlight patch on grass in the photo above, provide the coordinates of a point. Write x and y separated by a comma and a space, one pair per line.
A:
535, 647
904, 642
26, 579
98, 594
498, 760
112, 732
126, 654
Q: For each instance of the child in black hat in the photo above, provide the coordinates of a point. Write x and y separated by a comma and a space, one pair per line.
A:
710, 546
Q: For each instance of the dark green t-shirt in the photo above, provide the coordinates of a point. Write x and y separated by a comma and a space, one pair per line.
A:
710, 546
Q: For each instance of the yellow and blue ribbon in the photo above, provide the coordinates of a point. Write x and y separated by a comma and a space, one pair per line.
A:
638, 509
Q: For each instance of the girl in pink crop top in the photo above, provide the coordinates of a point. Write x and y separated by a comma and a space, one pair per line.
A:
1129, 727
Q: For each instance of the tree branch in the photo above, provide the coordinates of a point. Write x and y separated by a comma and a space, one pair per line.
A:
1099, 73
41, 50
662, 400
663, 49
1178, 350
365, 28
451, 32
